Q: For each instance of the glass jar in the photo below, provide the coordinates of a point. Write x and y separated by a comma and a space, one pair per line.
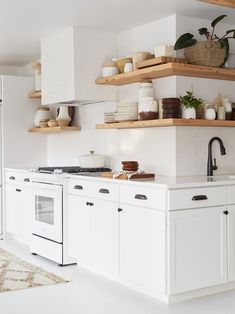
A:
221, 114
148, 108
146, 90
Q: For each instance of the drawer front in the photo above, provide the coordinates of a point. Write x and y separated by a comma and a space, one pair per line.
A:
197, 197
12, 177
95, 189
231, 194
143, 197
79, 187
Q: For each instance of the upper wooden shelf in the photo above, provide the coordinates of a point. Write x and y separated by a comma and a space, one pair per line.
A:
223, 3
166, 122
36, 95
57, 129
168, 69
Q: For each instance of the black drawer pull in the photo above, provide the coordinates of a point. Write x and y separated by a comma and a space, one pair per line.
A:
26, 180
199, 198
141, 197
78, 187
18, 190
104, 191
119, 210
89, 204
226, 212
12, 178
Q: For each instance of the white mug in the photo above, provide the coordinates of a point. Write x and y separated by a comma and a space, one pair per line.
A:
128, 67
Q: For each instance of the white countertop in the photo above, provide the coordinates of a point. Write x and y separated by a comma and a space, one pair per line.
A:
166, 181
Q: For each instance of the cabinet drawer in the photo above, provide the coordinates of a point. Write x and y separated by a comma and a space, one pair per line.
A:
16, 177
79, 187
231, 194
94, 189
142, 196
197, 197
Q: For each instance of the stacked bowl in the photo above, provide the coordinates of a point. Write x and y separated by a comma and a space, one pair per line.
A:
171, 108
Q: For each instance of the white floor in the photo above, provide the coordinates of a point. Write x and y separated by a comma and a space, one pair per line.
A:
91, 294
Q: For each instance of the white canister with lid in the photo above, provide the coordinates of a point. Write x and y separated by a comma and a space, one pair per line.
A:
148, 108
91, 160
210, 113
43, 113
146, 90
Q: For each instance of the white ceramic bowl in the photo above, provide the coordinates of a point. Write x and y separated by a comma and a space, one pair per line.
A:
109, 71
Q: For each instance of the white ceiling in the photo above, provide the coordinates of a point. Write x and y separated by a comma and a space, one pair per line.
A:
24, 22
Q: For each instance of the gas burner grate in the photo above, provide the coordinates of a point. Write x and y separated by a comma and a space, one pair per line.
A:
71, 169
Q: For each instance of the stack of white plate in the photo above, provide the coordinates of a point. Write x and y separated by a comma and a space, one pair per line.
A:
109, 117
127, 111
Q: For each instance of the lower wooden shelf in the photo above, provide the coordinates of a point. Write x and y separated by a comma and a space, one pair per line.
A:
36, 95
57, 129
164, 123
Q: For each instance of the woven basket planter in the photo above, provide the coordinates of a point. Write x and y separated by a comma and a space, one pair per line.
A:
206, 53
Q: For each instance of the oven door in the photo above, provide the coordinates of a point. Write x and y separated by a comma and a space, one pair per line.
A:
48, 211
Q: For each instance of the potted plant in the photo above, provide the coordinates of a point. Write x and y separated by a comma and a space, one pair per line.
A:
190, 105
212, 52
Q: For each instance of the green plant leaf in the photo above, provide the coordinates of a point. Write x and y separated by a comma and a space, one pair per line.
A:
230, 31
224, 43
217, 20
180, 41
203, 31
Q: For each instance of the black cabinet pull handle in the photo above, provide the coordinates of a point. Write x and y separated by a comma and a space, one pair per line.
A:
104, 191
140, 197
199, 198
119, 210
12, 178
18, 190
226, 212
89, 204
78, 187
26, 180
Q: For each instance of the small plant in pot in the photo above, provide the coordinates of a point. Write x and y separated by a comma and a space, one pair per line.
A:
212, 52
190, 105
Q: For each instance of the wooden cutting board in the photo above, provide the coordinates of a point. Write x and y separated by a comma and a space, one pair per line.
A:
124, 177
157, 61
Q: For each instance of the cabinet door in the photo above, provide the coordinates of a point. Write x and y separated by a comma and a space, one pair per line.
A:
231, 243
142, 247
105, 236
79, 229
13, 209
27, 210
197, 249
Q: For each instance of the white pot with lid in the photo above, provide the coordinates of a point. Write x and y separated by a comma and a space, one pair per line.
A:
92, 160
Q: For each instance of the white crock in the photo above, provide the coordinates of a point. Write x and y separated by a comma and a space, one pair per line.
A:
188, 113
91, 160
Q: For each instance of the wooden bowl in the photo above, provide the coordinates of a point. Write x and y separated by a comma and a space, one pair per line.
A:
43, 123
52, 123
63, 122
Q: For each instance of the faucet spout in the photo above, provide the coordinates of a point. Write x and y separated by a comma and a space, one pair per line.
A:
210, 166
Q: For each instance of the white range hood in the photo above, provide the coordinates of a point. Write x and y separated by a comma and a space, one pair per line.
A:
71, 61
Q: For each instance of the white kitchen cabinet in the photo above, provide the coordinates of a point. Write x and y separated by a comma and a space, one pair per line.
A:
79, 229
105, 236
72, 60
94, 233
197, 249
231, 242
18, 211
142, 247
13, 209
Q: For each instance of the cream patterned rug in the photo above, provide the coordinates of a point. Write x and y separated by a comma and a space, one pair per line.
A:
16, 274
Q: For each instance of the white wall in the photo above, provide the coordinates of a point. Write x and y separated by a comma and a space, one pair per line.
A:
167, 151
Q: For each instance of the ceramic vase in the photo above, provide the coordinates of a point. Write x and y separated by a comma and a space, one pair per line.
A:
63, 118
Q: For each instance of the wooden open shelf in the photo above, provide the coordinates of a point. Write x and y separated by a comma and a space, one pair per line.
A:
166, 122
168, 69
57, 129
36, 95
223, 3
